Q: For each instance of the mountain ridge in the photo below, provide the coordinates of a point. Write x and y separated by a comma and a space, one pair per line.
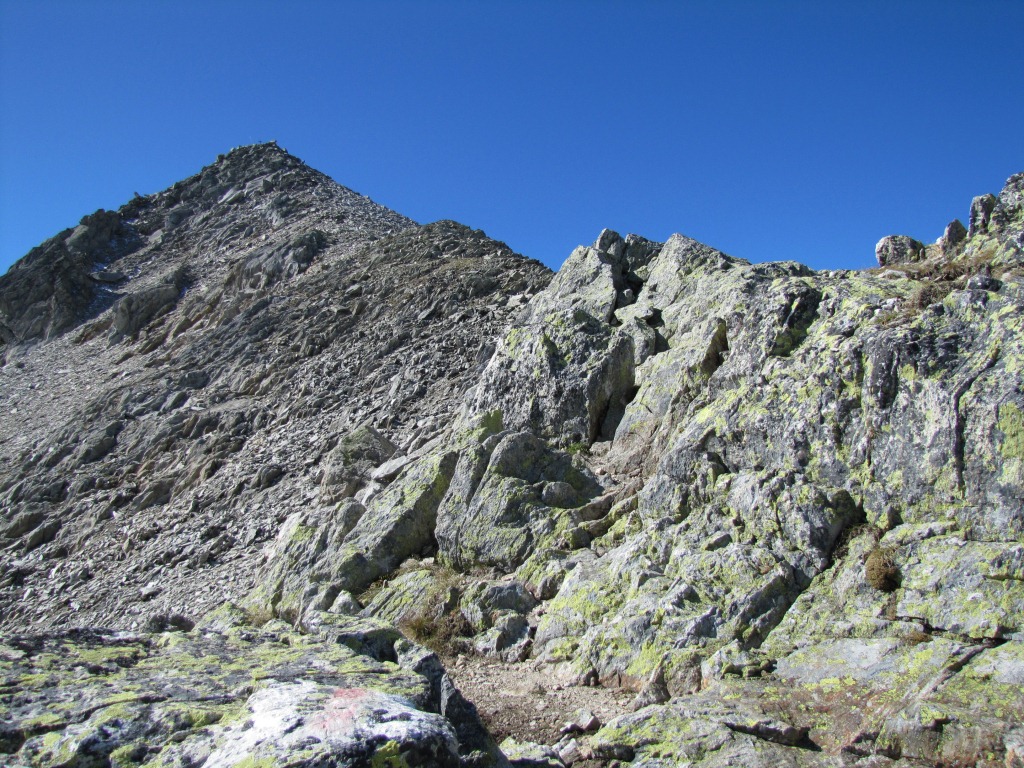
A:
780, 506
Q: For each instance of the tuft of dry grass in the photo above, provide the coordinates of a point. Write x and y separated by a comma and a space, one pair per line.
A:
440, 634
257, 617
880, 570
849, 535
927, 294
937, 278
917, 637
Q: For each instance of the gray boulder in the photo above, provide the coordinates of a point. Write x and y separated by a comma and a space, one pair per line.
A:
137, 310
898, 249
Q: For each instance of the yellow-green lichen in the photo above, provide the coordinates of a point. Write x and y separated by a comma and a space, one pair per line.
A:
389, 755
1011, 424
256, 762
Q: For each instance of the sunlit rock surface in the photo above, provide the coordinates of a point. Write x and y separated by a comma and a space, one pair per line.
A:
783, 506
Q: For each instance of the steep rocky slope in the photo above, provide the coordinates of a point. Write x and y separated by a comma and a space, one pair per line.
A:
260, 313
781, 506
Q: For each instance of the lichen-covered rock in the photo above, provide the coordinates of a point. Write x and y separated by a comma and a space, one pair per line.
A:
404, 596
781, 413
494, 512
898, 249
564, 371
351, 462
482, 601
524, 754
784, 505
305, 724
875, 702
312, 565
699, 731
770, 455
905, 698
225, 694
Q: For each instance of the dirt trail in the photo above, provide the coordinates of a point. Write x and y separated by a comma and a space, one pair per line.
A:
527, 703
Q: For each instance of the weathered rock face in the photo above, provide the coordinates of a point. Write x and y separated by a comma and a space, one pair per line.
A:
55, 286
274, 340
779, 412
782, 505
568, 368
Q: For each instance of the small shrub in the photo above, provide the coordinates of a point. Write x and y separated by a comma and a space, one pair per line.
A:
257, 617
926, 295
440, 634
880, 570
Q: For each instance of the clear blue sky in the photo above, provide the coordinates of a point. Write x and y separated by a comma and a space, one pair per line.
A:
803, 130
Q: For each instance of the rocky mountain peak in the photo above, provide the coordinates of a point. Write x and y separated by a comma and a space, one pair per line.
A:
259, 158
260, 293
254, 198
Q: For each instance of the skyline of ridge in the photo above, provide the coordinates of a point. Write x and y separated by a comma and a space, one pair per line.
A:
554, 266
789, 132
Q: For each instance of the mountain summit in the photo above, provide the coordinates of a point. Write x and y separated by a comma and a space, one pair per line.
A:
206, 345
256, 194
279, 465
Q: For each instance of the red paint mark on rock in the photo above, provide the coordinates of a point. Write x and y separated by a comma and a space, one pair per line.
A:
338, 712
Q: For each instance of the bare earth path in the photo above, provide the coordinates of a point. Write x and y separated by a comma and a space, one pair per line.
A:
527, 703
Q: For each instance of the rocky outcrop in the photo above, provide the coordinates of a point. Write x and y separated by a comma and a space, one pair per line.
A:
222, 695
782, 506
806, 428
55, 286
567, 369
898, 249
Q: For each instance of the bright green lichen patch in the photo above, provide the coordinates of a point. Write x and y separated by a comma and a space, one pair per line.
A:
389, 755
587, 604
256, 762
117, 655
951, 584
662, 733
1011, 424
989, 685
646, 661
